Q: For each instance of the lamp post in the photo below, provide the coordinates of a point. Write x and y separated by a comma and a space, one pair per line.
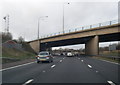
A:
38, 31
63, 15
6, 18
5, 22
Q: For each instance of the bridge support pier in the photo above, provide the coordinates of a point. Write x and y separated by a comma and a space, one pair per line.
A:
35, 46
92, 46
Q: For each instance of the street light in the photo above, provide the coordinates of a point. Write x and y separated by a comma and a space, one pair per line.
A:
6, 18
63, 15
38, 30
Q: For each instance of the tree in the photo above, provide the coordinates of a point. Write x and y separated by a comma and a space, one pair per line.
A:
20, 39
6, 36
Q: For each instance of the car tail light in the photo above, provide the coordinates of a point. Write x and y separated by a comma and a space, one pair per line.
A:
36, 56
47, 56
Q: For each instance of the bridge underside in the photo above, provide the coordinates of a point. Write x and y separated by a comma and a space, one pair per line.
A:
84, 40
102, 38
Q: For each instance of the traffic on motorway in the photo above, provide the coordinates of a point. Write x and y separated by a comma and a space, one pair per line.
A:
46, 56
63, 68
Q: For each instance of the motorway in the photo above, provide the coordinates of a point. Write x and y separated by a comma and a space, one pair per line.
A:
79, 69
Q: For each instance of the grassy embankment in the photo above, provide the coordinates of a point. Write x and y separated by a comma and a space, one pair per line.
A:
13, 55
109, 53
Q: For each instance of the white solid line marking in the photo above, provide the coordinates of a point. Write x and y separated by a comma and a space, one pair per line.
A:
89, 66
82, 60
29, 81
109, 62
16, 66
110, 82
53, 66
60, 60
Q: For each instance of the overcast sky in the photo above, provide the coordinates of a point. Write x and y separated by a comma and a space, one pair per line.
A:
24, 15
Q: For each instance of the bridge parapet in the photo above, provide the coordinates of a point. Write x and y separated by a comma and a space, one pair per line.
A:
108, 23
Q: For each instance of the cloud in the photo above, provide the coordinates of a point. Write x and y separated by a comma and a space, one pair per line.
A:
24, 15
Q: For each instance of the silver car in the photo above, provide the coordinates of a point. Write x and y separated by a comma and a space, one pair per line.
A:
69, 54
44, 56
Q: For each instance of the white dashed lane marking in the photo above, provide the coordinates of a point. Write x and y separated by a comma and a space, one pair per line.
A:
89, 66
53, 66
29, 81
64, 58
96, 71
81, 60
60, 60
43, 71
110, 82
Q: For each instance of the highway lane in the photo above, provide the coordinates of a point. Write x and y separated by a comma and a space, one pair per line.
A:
108, 70
71, 70
23, 73
64, 70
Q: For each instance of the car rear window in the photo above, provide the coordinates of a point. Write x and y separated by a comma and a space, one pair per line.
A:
43, 53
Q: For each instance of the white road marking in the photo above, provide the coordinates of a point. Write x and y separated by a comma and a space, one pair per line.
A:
43, 71
64, 58
60, 60
110, 82
89, 66
109, 62
16, 66
81, 60
29, 81
96, 71
53, 66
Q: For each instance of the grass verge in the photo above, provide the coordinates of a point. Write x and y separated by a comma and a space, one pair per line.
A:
107, 59
13, 55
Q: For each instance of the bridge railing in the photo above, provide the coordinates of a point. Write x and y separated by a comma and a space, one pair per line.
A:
83, 28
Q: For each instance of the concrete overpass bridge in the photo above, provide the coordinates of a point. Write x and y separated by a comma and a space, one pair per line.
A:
90, 37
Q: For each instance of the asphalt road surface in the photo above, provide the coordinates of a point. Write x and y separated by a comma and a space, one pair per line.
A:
64, 70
